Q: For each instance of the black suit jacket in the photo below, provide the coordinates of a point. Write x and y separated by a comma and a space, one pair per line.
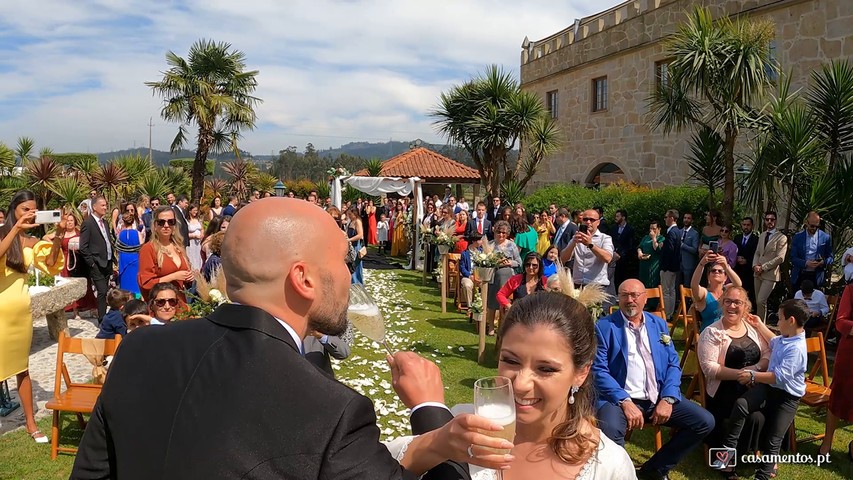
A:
670, 256
92, 244
182, 225
490, 212
624, 244
229, 396
747, 252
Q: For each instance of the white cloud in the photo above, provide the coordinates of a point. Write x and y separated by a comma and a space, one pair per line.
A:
330, 71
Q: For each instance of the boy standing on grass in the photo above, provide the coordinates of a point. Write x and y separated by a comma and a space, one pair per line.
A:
777, 391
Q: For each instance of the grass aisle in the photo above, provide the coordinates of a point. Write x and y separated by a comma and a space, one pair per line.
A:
412, 313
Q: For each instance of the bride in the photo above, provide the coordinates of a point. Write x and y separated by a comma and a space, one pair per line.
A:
548, 347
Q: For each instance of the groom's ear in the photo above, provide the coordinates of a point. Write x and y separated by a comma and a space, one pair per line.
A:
301, 281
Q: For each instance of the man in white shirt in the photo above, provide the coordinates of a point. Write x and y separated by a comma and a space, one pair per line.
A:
816, 300
462, 205
592, 251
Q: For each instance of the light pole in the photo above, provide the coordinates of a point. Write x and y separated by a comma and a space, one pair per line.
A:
279, 189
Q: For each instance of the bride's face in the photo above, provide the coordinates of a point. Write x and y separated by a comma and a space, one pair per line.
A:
538, 361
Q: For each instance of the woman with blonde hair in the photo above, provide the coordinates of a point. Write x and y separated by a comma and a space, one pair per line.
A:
163, 259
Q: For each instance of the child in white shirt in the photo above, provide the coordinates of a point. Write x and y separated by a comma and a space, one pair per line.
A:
382, 233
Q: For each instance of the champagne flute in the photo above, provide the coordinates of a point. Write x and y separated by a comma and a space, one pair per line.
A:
494, 400
364, 314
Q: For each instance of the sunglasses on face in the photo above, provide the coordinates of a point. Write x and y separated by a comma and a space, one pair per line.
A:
718, 271
162, 223
589, 219
161, 302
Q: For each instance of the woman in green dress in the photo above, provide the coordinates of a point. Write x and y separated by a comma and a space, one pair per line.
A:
649, 254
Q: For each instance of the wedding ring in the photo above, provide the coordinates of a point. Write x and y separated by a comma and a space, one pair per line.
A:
470, 453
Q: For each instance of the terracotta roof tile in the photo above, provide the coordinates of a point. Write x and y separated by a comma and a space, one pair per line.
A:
425, 164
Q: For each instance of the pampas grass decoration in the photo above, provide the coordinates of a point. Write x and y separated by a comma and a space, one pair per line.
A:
201, 286
589, 295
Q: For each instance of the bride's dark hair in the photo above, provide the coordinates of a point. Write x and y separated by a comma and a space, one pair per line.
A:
572, 320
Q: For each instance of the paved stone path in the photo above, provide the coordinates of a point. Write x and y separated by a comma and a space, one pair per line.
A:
43, 369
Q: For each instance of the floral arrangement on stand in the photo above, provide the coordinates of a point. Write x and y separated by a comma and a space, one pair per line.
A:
446, 237
208, 296
592, 296
476, 307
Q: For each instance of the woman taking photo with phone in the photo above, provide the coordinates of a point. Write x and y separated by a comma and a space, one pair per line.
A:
18, 252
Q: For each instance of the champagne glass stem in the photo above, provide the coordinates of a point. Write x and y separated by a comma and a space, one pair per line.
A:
385, 344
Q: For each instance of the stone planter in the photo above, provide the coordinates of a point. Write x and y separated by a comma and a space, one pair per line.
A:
485, 274
51, 303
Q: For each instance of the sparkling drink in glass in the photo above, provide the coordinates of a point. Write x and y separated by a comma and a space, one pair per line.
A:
364, 314
493, 399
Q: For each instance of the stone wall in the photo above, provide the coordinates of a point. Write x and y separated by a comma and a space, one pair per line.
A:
625, 44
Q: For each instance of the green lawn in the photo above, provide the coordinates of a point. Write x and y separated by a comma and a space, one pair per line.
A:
412, 313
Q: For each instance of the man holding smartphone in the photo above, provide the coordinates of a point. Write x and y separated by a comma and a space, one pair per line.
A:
592, 251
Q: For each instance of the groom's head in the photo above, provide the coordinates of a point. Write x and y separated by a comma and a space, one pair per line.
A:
287, 257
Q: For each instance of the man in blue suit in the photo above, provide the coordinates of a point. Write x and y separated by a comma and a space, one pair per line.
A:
811, 253
638, 378
689, 248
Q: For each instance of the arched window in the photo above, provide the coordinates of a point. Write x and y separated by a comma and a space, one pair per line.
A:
605, 174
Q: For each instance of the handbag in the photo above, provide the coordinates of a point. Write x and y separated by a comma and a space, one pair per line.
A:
362, 252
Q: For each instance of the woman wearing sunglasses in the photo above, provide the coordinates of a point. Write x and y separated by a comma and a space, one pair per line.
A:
162, 308
519, 286
706, 301
163, 259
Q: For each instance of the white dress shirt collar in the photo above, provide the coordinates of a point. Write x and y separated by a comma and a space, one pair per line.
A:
293, 334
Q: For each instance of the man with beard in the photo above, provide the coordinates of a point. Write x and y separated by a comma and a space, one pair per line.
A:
231, 396
638, 380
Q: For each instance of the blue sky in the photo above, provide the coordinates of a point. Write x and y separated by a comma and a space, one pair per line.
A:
72, 73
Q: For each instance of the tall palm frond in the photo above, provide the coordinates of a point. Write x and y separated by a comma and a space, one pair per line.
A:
706, 161
174, 179
7, 158
24, 149
542, 139
136, 167
239, 171
152, 185
263, 182
85, 166
216, 185
108, 178
41, 172
512, 192
69, 191
211, 90
373, 166
831, 100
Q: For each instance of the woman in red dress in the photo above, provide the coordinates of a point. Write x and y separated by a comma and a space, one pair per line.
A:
163, 259
461, 226
841, 399
371, 223
74, 265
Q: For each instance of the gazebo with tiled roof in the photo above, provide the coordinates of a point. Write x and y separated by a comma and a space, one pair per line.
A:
427, 165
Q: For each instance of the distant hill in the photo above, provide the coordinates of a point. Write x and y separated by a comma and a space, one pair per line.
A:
162, 158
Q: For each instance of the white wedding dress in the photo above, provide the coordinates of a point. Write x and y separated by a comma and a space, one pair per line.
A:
610, 462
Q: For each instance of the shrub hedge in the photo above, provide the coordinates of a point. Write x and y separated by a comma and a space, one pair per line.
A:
187, 165
72, 159
642, 204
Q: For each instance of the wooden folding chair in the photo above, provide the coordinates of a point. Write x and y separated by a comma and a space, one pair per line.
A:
826, 325
657, 292
78, 397
817, 394
689, 354
696, 387
685, 315
658, 435
833, 301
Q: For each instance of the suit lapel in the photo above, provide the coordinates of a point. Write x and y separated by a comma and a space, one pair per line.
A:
246, 317
654, 337
621, 336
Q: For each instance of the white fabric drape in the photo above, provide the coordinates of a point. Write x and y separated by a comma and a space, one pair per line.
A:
376, 186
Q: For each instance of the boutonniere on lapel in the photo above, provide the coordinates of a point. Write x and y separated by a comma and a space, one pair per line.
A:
665, 339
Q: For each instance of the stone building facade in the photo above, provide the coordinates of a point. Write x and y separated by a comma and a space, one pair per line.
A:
597, 75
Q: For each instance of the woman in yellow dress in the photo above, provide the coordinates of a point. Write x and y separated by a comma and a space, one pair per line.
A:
399, 242
17, 253
544, 229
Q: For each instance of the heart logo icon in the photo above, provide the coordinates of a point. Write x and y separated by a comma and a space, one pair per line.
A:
723, 456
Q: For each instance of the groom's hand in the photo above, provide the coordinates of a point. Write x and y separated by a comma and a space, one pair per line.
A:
415, 379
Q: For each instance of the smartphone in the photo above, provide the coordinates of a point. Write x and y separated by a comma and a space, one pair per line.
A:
44, 217
714, 246
583, 228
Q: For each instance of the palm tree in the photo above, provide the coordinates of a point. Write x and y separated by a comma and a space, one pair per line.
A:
136, 167
263, 182
69, 191
373, 166
152, 184
216, 185
489, 115
706, 161
212, 91
108, 178
41, 173
240, 172
831, 100
7, 158
717, 79
24, 149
